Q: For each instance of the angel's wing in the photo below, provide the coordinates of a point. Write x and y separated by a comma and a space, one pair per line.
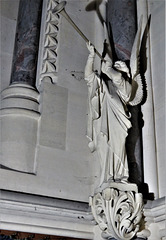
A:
138, 65
107, 51
138, 79
134, 59
137, 91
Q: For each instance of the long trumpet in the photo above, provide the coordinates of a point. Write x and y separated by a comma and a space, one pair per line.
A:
60, 8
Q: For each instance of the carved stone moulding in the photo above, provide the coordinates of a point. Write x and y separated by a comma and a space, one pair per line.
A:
118, 211
50, 44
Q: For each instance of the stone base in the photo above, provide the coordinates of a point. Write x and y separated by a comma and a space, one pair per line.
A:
19, 127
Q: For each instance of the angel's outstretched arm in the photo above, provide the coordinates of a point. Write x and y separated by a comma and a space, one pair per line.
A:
90, 62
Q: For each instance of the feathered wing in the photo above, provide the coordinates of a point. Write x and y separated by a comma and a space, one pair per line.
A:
134, 59
137, 85
107, 51
137, 91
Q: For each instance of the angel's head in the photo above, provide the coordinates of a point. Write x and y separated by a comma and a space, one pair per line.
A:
121, 66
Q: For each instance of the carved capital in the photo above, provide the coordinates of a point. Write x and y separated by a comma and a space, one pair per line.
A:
118, 212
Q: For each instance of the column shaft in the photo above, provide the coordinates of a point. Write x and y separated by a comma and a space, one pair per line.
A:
26, 42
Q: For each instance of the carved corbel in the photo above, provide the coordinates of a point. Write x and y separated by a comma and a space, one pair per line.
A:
118, 210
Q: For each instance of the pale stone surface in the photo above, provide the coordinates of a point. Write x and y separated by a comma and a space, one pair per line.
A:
154, 108
53, 116
76, 125
57, 172
97, 233
19, 111
149, 152
17, 148
114, 214
35, 214
72, 48
63, 158
155, 218
157, 9
154, 118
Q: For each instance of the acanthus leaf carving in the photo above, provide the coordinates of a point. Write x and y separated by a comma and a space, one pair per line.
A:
118, 212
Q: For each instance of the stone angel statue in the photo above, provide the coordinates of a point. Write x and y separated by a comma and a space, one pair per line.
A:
108, 116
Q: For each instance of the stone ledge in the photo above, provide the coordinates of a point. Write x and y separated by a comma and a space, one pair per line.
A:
44, 200
44, 215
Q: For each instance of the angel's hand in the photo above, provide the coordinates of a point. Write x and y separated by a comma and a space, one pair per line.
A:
121, 66
90, 48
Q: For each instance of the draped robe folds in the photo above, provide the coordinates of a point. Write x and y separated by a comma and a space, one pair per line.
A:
108, 124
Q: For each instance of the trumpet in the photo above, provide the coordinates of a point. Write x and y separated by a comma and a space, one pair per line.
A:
60, 8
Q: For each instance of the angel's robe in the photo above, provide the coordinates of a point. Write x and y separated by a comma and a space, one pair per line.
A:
108, 124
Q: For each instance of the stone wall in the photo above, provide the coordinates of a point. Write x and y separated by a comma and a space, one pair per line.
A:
62, 158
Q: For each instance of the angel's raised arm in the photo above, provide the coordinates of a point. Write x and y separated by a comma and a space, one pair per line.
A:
89, 68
